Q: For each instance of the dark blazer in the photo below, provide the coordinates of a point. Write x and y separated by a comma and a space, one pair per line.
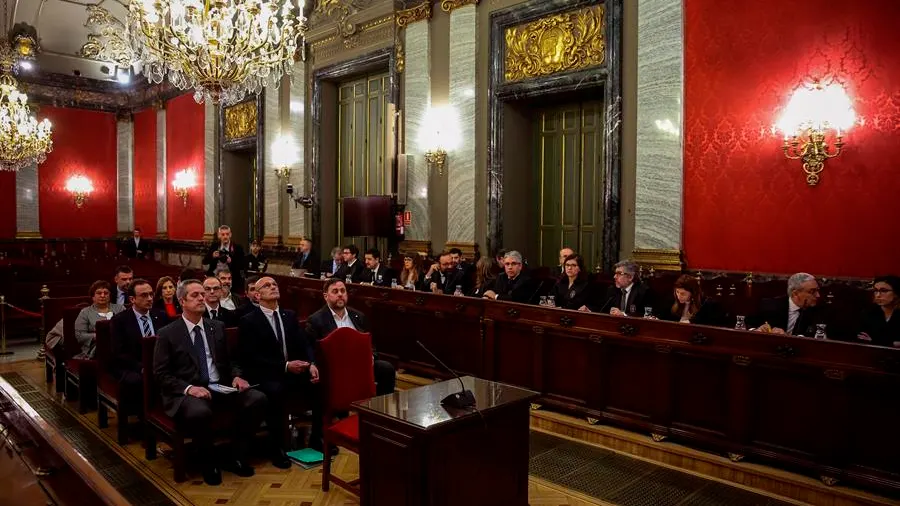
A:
256, 263
237, 265
175, 367
455, 277
775, 313
131, 250
321, 323
571, 298
328, 265
522, 289
311, 264
355, 272
160, 306
386, 273
228, 317
871, 321
479, 292
126, 336
114, 296
640, 297
261, 355
710, 313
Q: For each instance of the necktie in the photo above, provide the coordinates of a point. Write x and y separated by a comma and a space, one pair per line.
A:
145, 326
279, 335
200, 355
215, 313
624, 306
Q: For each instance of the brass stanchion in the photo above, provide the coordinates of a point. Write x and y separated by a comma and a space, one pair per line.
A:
3, 327
42, 351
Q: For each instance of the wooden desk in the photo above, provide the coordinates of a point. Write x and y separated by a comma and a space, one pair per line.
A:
414, 452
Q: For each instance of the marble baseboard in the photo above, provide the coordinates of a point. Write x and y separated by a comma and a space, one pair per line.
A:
660, 83
417, 100
463, 96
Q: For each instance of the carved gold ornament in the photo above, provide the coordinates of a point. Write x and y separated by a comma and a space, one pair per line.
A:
418, 13
561, 42
449, 5
240, 121
399, 56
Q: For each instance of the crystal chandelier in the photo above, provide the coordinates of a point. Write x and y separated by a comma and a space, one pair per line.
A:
23, 140
223, 49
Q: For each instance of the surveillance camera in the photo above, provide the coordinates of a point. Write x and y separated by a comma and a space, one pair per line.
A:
290, 189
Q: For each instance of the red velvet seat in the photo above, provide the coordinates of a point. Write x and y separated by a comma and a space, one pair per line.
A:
108, 391
345, 367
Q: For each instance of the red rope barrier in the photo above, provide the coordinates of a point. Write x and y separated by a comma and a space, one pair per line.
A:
27, 313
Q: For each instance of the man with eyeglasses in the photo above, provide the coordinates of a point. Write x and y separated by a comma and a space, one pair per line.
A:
212, 287
793, 314
628, 296
126, 331
513, 285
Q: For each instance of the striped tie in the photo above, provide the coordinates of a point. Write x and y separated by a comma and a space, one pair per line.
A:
145, 325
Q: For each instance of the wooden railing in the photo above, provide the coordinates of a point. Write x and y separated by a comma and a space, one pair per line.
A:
822, 407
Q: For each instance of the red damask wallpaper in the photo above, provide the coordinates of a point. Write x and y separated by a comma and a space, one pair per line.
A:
145, 171
748, 208
7, 205
185, 150
84, 143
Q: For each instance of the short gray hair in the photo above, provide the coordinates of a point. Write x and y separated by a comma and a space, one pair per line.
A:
515, 255
798, 279
629, 267
181, 291
224, 227
335, 250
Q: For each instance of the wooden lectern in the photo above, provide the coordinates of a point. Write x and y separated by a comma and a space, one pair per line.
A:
415, 452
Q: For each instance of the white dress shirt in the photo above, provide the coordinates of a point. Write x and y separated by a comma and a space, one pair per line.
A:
227, 302
210, 363
271, 314
343, 322
793, 316
210, 309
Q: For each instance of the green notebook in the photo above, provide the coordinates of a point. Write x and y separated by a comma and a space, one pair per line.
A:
306, 456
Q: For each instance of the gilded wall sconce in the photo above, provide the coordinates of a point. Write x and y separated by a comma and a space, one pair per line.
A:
284, 154
439, 135
182, 184
80, 187
812, 112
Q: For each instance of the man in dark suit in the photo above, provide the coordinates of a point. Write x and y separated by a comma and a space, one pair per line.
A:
331, 266
377, 274
513, 284
337, 313
126, 330
628, 296
307, 259
794, 314
190, 361
351, 267
123, 278
447, 276
137, 247
225, 252
214, 310
250, 302
277, 356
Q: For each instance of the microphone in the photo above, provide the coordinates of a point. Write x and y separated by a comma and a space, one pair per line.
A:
540, 286
606, 304
462, 400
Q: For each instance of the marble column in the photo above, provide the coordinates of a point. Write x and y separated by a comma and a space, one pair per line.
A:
210, 188
417, 100
125, 175
660, 88
297, 228
271, 184
162, 181
28, 223
460, 169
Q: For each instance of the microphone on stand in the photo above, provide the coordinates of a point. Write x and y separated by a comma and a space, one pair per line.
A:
606, 304
461, 400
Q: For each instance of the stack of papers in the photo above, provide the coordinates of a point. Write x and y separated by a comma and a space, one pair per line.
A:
306, 458
222, 389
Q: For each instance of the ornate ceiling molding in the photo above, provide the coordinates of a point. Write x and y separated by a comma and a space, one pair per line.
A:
450, 5
338, 11
420, 12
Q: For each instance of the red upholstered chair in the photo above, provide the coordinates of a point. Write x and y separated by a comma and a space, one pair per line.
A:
109, 395
344, 359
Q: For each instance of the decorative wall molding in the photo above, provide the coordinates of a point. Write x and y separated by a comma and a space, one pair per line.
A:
450, 5
420, 12
241, 121
378, 31
659, 259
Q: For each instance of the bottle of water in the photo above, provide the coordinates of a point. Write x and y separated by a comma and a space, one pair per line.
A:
741, 323
543, 300
394, 283
349, 280
410, 285
322, 276
648, 313
820, 332
458, 292
551, 301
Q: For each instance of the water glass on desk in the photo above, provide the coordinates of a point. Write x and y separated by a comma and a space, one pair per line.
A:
458, 292
543, 301
551, 301
740, 323
820, 332
648, 313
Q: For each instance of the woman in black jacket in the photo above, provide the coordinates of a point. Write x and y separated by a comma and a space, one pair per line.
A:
877, 324
572, 291
689, 305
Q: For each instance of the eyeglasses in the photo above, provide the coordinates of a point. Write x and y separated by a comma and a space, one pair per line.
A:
620, 273
882, 290
574, 266
509, 264
212, 288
